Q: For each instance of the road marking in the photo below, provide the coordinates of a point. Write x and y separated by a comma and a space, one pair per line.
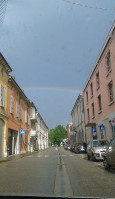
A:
99, 164
46, 156
39, 156
63, 155
71, 155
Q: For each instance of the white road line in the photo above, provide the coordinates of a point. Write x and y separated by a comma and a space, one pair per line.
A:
39, 156
63, 155
46, 156
71, 155
100, 165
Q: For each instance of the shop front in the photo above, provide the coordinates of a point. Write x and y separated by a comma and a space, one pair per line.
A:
12, 147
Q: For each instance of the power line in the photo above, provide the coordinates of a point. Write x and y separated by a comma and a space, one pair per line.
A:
88, 6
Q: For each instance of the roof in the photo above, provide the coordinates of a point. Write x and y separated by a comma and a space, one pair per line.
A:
5, 63
101, 52
77, 100
13, 80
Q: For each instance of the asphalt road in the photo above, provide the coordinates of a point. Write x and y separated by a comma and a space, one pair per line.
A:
56, 172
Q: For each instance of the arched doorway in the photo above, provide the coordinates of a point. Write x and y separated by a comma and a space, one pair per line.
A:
1, 136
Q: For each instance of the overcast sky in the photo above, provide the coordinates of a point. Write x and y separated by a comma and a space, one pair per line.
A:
52, 45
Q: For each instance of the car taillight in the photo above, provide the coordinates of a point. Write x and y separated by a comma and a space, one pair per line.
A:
78, 146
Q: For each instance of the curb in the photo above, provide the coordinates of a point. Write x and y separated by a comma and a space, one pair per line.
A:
19, 156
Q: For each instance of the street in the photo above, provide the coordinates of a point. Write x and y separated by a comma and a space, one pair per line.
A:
56, 172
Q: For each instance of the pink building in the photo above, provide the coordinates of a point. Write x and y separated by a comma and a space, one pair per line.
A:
99, 93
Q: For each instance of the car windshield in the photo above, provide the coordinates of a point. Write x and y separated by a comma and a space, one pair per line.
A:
57, 96
100, 143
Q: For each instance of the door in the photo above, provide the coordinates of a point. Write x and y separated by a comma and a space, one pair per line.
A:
9, 142
1, 137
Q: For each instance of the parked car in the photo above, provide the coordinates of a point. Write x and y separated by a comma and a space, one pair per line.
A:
80, 148
67, 146
72, 148
109, 156
96, 149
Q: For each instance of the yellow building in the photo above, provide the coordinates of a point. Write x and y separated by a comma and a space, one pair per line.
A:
4, 72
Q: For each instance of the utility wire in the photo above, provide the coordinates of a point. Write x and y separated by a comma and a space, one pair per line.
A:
88, 6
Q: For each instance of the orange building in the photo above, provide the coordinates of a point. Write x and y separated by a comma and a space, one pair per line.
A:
18, 119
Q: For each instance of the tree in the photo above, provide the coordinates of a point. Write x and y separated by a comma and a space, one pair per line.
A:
51, 136
59, 134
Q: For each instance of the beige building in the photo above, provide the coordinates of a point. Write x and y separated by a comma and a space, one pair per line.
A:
4, 72
78, 121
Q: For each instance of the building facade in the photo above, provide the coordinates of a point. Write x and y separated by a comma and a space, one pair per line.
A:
69, 133
78, 121
4, 72
99, 93
18, 119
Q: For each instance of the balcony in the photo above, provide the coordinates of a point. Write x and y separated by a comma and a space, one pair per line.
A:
33, 133
33, 118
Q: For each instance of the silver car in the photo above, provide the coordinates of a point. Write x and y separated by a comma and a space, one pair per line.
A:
96, 149
109, 157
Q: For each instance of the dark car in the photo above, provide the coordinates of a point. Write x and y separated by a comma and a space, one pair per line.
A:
80, 148
109, 156
73, 147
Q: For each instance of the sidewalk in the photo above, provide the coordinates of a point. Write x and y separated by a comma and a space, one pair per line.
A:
18, 156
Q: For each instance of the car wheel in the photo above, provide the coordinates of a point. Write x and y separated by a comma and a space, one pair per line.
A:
88, 157
105, 164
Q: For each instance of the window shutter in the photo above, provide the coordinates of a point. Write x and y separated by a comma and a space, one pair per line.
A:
25, 116
17, 109
11, 104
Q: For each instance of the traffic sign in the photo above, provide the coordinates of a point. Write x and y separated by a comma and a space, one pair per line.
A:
22, 131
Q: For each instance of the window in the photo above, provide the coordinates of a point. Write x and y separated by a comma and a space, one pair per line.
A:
91, 87
20, 112
11, 104
93, 111
1, 96
99, 103
110, 85
97, 80
87, 96
17, 109
108, 62
25, 116
88, 114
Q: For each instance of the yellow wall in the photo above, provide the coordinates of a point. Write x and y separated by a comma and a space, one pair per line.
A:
3, 110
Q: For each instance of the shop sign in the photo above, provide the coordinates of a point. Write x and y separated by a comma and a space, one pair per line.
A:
22, 131
113, 122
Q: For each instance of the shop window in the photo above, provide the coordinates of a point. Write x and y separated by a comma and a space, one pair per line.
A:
110, 86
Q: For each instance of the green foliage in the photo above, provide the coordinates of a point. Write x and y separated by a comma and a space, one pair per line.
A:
56, 135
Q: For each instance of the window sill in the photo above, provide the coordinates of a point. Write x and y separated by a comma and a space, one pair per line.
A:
111, 103
108, 72
93, 117
99, 111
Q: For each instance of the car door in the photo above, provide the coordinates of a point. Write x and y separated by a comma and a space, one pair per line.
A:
112, 152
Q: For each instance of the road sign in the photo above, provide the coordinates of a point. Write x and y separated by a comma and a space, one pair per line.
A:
113, 122
22, 131
94, 130
102, 127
